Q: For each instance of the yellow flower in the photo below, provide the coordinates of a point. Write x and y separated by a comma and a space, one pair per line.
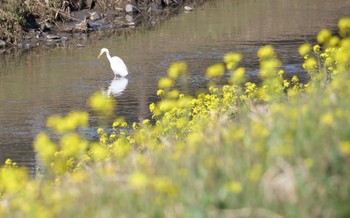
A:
165, 83
334, 41
101, 103
317, 48
173, 94
176, 69
166, 105
280, 73
73, 145
119, 122
234, 187
146, 121
295, 79
344, 147
238, 75
255, 172
266, 52
344, 26
160, 92
13, 180
215, 71
286, 83
100, 131
310, 64
121, 148
98, 152
164, 185
138, 180
327, 118
308, 162
45, 148
56, 123
304, 49
323, 36
231, 60
152, 107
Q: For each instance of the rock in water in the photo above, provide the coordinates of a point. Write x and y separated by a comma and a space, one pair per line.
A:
95, 16
167, 2
2, 43
131, 9
50, 36
188, 8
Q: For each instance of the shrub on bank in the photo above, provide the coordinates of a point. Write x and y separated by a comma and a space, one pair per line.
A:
280, 148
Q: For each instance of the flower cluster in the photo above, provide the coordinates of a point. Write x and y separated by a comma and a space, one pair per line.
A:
263, 149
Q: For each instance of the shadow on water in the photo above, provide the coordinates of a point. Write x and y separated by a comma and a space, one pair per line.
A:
38, 84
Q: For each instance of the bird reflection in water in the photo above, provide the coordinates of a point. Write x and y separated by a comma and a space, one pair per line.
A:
117, 87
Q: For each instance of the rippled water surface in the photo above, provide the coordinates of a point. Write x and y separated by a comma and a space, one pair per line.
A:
55, 81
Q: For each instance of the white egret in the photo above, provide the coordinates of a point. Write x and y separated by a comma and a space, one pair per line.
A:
117, 64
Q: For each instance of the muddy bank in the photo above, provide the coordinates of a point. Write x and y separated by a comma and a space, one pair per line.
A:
27, 24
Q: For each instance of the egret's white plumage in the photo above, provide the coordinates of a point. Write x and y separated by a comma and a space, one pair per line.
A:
117, 64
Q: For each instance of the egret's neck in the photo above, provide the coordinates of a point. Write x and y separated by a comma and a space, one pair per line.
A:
108, 56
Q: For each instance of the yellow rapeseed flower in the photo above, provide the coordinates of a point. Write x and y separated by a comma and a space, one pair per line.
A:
152, 106
12, 180
165, 83
323, 36
73, 145
173, 94
333, 41
121, 148
166, 105
45, 148
308, 162
176, 69
98, 152
164, 185
327, 118
254, 174
238, 75
266, 52
160, 92
344, 26
304, 49
310, 64
57, 123
76, 119
101, 103
231, 60
286, 83
344, 147
78, 177
317, 48
280, 73
295, 79
138, 180
234, 187
215, 71
146, 121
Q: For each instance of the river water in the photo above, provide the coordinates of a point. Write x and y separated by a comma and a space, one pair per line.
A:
40, 83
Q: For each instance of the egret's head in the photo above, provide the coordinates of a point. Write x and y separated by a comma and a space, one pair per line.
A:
103, 50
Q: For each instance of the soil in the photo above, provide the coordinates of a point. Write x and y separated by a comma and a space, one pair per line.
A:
72, 23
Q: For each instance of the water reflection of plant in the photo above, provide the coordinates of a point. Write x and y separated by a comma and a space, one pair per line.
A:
266, 150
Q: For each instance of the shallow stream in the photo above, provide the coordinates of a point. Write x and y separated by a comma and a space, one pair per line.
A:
40, 83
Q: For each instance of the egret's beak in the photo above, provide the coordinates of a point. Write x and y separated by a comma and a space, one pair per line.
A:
99, 56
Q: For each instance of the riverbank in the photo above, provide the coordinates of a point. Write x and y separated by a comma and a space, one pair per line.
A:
29, 24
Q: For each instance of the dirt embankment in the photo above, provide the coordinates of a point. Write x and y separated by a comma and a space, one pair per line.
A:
31, 23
